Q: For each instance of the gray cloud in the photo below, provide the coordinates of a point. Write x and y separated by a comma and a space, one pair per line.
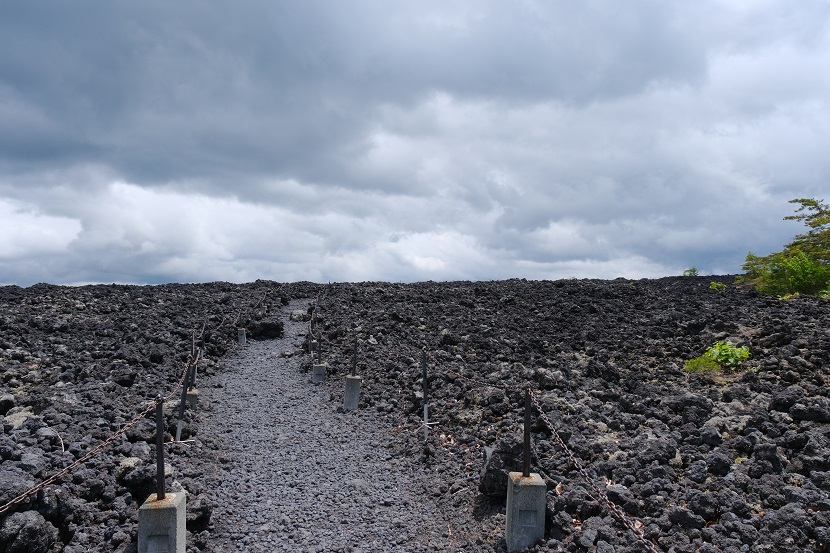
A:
197, 141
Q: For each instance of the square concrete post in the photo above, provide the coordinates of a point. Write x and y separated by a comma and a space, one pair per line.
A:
161, 524
318, 373
192, 398
526, 503
351, 394
241, 336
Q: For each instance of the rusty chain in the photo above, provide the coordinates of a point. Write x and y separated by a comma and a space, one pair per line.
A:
635, 526
595, 491
598, 493
192, 360
63, 472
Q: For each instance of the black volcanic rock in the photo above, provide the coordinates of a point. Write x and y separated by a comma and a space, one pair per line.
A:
606, 359
499, 460
27, 532
265, 329
786, 398
76, 365
732, 461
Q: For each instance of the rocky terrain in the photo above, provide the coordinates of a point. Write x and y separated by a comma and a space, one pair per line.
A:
296, 474
738, 461
76, 365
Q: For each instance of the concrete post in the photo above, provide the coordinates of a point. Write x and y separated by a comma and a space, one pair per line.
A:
240, 334
161, 524
526, 503
351, 395
192, 398
318, 373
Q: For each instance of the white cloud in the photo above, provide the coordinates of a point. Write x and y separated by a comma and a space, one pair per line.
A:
25, 232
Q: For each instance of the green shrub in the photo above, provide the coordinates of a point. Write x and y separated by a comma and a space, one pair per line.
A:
721, 355
784, 274
691, 272
716, 285
726, 354
803, 266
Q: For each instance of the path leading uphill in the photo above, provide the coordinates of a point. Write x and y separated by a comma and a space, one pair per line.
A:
299, 476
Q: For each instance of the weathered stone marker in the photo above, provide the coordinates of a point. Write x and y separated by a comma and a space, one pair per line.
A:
162, 520
318, 373
351, 395
526, 501
161, 524
192, 398
526, 498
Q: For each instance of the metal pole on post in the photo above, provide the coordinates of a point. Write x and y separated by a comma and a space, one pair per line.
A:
526, 450
526, 498
192, 379
426, 393
354, 358
159, 449
319, 347
181, 405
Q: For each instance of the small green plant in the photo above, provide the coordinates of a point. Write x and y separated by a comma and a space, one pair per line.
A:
702, 364
726, 354
691, 272
717, 286
722, 355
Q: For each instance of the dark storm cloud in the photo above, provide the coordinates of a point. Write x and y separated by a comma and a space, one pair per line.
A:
388, 140
164, 92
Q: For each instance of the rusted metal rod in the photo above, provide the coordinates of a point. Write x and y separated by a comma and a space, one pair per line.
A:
191, 377
194, 362
319, 347
354, 358
159, 449
526, 449
181, 405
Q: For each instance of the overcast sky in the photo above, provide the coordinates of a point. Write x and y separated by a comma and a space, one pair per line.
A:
193, 141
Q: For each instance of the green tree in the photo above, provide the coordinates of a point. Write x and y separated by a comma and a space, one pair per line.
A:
815, 243
803, 266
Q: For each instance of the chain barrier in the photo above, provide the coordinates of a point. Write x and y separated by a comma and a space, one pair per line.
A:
99, 448
598, 494
192, 360
635, 526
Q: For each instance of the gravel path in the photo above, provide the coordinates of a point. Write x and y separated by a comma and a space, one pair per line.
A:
298, 475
